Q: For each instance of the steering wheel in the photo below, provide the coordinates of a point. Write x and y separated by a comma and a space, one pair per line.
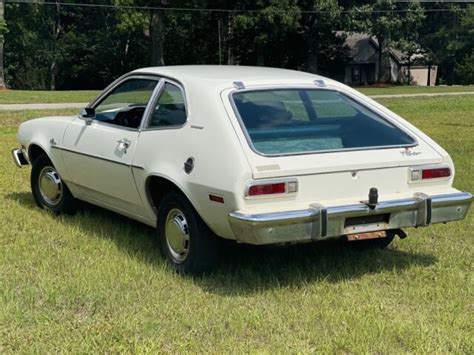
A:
130, 116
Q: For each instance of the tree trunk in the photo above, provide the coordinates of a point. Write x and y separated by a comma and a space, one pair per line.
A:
57, 31
313, 66
260, 56
313, 43
230, 55
409, 68
2, 19
384, 60
53, 72
428, 83
156, 34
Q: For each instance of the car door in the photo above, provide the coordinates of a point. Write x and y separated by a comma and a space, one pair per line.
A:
98, 154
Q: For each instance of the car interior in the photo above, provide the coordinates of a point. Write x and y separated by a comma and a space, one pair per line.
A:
276, 127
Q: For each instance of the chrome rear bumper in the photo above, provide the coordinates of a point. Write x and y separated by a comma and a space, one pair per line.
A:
19, 157
318, 222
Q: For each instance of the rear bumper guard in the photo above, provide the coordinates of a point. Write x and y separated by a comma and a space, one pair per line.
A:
319, 222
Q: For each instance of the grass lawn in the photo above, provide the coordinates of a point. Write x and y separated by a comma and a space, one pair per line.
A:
95, 282
393, 90
31, 96
25, 96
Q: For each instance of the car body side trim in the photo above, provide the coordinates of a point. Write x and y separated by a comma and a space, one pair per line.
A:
97, 157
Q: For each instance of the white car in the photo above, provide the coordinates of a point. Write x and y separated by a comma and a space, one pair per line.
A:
256, 155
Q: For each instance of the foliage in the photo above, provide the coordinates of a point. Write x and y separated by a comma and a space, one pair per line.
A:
262, 37
72, 48
3, 27
390, 22
448, 37
51, 46
465, 69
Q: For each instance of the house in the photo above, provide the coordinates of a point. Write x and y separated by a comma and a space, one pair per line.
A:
363, 65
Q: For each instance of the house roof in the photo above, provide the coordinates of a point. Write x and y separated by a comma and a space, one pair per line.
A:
364, 47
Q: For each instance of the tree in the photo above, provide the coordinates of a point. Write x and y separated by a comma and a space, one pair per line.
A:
386, 20
465, 66
3, 29
148, 23
448, 36
262, 37
151, 23
318, 31
47, 47
319, 48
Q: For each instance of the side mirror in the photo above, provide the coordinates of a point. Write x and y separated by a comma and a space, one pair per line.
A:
88, 114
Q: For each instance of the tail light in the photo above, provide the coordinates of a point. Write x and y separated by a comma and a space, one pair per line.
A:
423, 173
435, 173
268, 188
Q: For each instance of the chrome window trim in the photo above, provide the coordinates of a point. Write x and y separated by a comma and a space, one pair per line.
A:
268, 182
311, 87
96, 101
151, 103
154, 101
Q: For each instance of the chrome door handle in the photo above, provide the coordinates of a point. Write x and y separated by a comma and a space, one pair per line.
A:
124, 142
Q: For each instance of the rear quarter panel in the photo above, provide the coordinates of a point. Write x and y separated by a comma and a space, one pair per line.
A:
220, 165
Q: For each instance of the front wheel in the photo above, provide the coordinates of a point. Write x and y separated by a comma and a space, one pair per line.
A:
186, 242
49, 191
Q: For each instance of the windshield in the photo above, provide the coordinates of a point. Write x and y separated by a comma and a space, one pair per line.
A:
292, 121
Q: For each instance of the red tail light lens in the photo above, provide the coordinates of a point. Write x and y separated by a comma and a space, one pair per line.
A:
267, 189
437, 173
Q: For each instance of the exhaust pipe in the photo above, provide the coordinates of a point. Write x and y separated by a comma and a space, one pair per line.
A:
401, 234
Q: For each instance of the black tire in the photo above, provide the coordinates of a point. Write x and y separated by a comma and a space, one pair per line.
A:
370, 244
195, 248
62, 201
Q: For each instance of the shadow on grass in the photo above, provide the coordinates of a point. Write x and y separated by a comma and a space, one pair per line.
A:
244, 268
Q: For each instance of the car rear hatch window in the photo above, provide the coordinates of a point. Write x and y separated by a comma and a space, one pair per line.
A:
301, 121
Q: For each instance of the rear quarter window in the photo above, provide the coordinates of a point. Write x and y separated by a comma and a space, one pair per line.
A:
292, 121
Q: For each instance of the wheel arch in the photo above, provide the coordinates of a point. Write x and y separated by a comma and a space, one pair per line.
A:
156, 187
35, 150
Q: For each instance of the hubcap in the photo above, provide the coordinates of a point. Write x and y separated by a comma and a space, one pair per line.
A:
177, 235
50, 186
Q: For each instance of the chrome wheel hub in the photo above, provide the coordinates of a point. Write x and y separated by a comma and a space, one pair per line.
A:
50, 186
177, 235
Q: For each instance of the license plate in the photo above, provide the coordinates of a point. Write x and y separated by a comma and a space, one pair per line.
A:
369, 235
364, 228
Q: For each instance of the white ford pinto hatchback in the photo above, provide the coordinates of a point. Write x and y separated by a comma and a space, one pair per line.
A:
256, 155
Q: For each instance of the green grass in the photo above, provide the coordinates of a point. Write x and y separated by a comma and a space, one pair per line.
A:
392, 90
95, 282
25, 96
30, 96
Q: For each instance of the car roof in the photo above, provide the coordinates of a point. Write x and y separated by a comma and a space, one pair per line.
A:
226, 75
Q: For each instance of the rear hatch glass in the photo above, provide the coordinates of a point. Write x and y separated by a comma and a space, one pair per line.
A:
301, 121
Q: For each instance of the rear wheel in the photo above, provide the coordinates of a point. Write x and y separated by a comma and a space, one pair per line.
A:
186, 242
378, 243
49, 191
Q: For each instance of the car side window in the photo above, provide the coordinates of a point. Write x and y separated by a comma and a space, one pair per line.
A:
126, 104
170, 110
